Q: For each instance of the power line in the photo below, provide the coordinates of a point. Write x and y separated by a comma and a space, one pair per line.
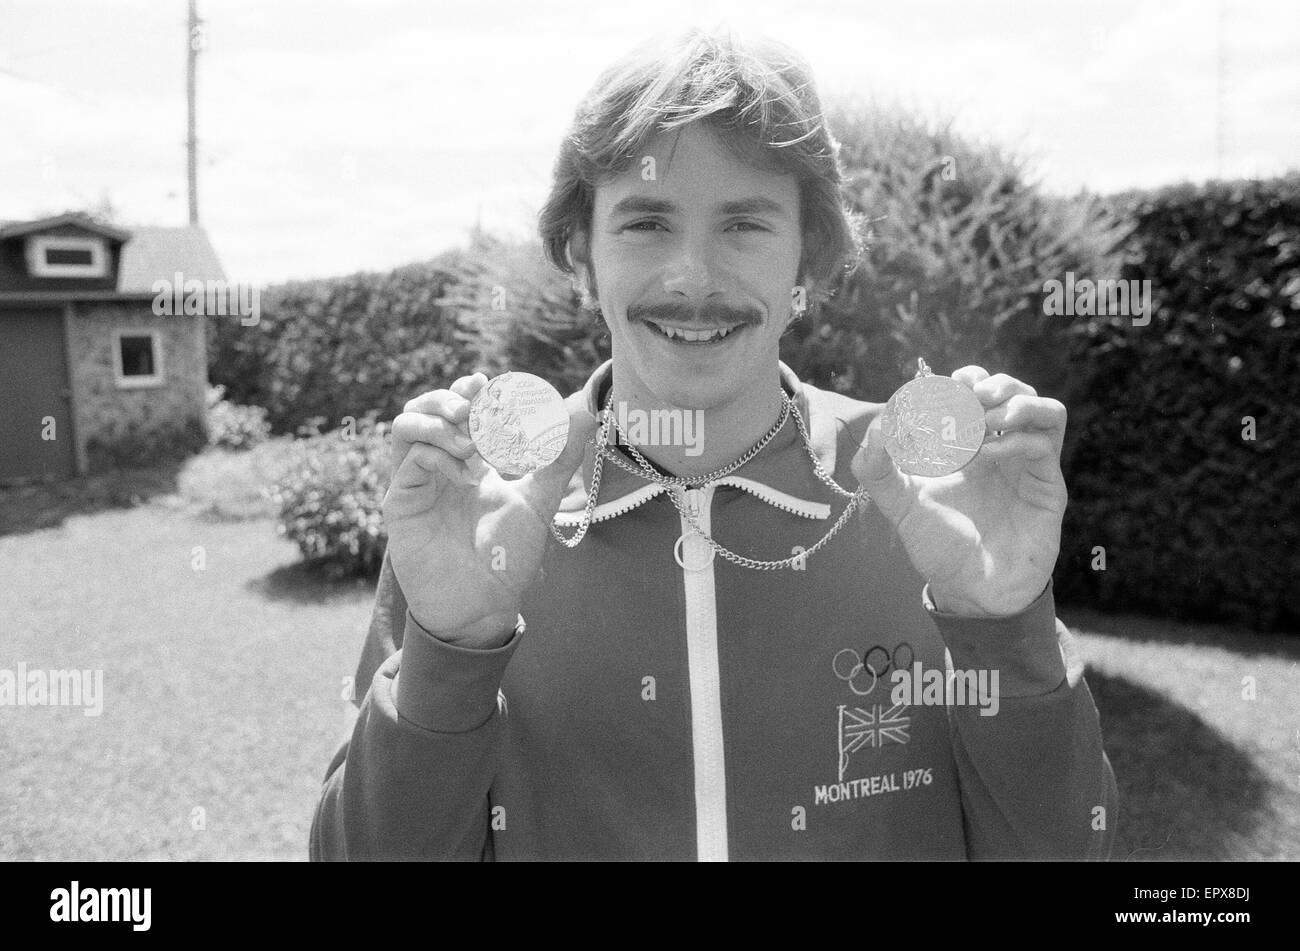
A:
195, 41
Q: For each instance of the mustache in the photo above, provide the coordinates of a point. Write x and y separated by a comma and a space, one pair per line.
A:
711, 313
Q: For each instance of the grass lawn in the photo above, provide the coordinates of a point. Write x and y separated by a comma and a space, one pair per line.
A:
224, 687
1204, 772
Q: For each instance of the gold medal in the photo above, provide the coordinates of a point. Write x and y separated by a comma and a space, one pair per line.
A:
518, 423
932, 425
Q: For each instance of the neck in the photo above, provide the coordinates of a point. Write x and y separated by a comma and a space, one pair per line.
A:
694, 442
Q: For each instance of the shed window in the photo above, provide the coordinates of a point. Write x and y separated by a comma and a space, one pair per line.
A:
137, 358
83, 256
67, 256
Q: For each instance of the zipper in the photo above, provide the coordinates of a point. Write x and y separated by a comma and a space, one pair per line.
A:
778, 499
613, 508
627, 502
707, 748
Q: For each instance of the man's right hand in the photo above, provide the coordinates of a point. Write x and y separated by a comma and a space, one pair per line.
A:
465, 543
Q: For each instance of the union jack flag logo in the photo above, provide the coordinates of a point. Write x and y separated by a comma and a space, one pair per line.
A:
873, 727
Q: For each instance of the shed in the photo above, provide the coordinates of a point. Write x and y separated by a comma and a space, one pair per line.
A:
90, 376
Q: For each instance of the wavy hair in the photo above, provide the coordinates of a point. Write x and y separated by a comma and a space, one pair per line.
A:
758, 93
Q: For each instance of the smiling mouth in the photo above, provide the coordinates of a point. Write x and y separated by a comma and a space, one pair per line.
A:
687, 335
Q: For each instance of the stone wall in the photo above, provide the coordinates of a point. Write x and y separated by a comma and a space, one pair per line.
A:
124, 427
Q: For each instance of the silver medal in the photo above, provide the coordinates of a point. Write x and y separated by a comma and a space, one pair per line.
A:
518, 423
933, 425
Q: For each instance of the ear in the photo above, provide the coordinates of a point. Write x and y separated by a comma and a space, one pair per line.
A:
809, 290
814, 291
580, 256
584, 279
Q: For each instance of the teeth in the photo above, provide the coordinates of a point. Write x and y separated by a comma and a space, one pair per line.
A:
693, 336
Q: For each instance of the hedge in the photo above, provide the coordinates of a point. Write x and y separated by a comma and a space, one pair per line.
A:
1196, 518
326, 350
960, 240
516, 311
1190, 518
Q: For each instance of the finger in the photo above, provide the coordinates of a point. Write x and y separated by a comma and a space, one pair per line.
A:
413, 428
1034, 454
468, 386
546, 486
877, 473
999, 388
1028, 413
448, 404
425, 464
477, 467
451, 404
1025, 447
970, 375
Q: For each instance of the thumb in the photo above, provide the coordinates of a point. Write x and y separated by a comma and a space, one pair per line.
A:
549, 482
877, 474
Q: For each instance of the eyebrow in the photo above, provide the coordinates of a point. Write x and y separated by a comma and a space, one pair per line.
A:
645, 204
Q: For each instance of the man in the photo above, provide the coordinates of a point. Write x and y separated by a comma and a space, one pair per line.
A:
711, 671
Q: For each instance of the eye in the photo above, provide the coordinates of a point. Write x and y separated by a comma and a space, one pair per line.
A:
641, 225
754, 225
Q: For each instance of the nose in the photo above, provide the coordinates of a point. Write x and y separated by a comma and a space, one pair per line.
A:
690, 274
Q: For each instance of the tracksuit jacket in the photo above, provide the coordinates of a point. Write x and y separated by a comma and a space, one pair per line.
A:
659, 702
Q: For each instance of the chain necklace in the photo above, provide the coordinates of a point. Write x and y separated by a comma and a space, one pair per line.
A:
648, 472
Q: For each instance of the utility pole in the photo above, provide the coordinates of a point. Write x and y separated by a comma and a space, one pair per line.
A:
1220, 92
195, 44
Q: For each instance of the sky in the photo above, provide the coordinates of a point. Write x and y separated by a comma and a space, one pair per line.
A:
344, 136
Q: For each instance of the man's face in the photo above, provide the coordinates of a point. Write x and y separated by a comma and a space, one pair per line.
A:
708, 244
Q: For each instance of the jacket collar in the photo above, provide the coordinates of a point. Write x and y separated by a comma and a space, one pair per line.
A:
781, 474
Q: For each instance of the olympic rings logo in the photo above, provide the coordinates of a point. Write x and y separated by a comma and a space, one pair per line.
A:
877, 661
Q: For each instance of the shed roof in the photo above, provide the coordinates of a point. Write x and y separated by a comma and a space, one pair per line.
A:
149, 254
158, 253
15, 229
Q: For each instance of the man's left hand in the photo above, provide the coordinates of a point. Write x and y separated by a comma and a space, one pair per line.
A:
987, 537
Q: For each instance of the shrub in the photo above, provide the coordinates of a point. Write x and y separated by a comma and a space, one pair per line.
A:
348, 346
236, 483
329, 498
1195, 519
134, 446
234, 427
518, 312
960, 243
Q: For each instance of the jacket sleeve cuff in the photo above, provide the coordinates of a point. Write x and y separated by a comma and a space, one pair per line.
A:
1025, 647
446, 688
